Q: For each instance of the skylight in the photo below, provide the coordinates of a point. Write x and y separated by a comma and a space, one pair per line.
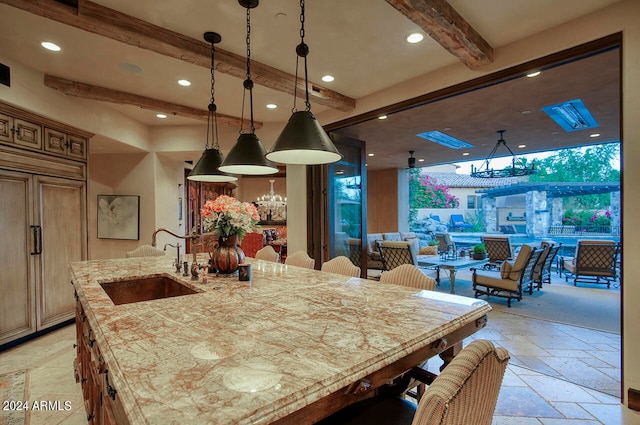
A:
444, 140
571, 116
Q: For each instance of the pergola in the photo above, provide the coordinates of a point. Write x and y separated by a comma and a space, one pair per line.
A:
544, 202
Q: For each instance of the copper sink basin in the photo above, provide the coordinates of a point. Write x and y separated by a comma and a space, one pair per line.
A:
151, 288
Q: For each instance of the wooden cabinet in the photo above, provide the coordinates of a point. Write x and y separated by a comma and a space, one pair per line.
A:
22, 129
20, 132
102, 404
43, 223
64, 144
43, 227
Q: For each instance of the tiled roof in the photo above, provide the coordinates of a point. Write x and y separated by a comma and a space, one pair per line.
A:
463, 180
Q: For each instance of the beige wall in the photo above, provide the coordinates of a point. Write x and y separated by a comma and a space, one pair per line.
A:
27, 91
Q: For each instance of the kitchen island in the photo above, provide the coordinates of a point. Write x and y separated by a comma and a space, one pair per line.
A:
291, 346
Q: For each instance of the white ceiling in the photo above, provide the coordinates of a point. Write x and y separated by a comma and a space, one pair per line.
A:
360, 42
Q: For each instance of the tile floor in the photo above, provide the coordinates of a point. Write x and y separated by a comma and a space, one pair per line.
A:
538, 389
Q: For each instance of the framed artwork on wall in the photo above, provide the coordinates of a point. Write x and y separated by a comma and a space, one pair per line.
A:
118, 217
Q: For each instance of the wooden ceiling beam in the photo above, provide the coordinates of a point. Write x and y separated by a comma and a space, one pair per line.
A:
102, 94
97, 19
438, 19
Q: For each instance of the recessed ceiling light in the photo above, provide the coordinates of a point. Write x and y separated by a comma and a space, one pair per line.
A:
271, 106
50, 46
555, 132
447, 128
161, 116
526, 111
184, 83
382, 117
522, 146
465, 153
328, 78
421, 160
595, 135
414, 38
370, 154
533, 74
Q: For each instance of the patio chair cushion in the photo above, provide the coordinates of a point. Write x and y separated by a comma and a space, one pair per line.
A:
496, 281
392, 236
520, 263
505, 269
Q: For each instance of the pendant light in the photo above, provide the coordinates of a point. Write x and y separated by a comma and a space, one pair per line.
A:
248, 154
206, 169
303, 140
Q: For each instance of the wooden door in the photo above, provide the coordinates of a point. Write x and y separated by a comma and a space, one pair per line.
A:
17, 284
61, 214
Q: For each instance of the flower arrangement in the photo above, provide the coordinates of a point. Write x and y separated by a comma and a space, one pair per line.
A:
226, 216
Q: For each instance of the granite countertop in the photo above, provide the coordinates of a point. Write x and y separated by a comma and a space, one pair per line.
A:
254, 352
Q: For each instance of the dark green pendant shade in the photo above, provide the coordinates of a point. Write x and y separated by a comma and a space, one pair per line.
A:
248, 157
304, 141
206, 169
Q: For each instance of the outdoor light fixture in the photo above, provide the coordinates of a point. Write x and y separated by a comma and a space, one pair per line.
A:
206, 169
303, 140
516, 170
248, 154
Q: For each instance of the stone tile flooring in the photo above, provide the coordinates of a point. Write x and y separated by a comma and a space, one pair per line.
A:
548, 361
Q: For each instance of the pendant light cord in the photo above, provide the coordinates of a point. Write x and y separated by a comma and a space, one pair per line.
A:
212, 124
248, 83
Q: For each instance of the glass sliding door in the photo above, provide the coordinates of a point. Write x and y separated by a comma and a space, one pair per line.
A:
346, 203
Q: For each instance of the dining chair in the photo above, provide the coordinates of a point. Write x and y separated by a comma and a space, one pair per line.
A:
267, 253
300, 259
341, 265
146, 251
465, 392
252, 243
408, 275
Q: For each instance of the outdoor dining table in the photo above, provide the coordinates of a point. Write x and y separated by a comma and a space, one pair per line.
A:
451, 266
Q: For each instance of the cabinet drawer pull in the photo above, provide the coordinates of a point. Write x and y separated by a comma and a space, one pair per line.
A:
110, 390
37, 240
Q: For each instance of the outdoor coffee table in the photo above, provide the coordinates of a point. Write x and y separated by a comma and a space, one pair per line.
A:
451, 266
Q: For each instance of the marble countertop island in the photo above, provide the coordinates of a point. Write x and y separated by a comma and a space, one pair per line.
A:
256, 352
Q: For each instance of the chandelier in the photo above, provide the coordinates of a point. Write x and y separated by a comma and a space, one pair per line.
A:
518, 166
272, 206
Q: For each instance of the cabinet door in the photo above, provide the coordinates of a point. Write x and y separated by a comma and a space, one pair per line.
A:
61, 214
77, 147
27, 134
17, 288
5, 128
55, 141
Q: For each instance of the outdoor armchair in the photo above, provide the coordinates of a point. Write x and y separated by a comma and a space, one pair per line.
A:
511, 279
396, 253
542, 270
445, 244
498, 250
594, 262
